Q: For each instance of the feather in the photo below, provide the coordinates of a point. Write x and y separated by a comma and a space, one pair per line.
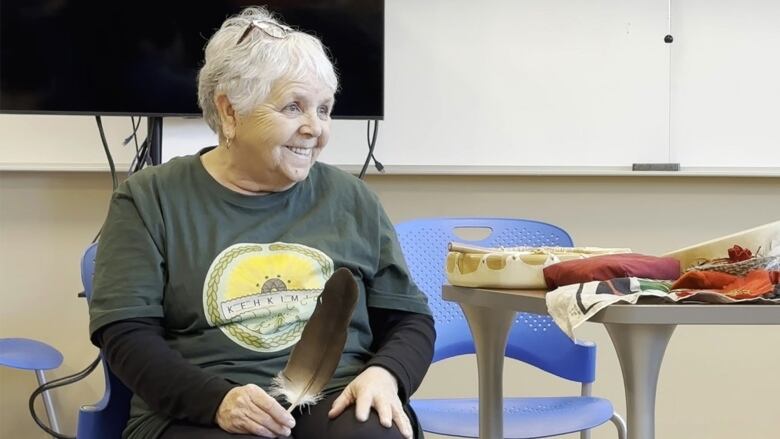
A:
314, 358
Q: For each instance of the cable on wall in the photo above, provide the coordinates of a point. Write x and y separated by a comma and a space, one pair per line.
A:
371, 141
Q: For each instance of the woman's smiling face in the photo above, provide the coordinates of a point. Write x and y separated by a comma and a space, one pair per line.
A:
285, 134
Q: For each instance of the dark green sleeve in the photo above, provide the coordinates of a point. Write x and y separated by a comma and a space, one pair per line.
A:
391, 286
129, 269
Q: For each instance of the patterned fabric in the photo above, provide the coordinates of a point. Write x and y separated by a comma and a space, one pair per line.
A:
572, 305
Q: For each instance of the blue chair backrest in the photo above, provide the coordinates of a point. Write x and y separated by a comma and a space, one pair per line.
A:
107, 418
534, 339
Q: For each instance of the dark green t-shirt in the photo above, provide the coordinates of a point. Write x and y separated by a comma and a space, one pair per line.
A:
235, 277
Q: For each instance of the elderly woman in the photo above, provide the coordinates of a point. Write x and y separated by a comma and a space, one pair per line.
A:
210, 265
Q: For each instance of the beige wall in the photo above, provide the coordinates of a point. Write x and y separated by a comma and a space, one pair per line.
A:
717, 382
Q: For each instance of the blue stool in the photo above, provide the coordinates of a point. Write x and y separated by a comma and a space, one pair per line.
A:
23, 353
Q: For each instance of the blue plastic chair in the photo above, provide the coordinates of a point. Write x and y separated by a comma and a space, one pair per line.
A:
534, 339
23, 353
108, 417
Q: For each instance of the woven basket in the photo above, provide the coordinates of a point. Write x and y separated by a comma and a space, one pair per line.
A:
739, 268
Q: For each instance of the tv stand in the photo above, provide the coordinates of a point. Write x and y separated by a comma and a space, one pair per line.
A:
154, 126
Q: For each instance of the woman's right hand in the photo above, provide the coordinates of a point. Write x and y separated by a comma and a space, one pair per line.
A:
249, 410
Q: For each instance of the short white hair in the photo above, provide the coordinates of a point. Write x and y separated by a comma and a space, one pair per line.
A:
245, 72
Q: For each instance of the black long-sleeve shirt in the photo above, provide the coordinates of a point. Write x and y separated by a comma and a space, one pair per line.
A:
138, 355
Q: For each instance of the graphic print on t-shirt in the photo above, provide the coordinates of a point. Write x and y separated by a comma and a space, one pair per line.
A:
262, 295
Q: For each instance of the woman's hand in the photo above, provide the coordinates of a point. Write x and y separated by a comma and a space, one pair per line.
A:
249, 410
377, 388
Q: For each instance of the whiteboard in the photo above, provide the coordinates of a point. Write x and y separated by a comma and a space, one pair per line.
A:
726, 87
533, 86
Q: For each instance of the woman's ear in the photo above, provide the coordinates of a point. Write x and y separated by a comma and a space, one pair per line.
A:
227, 115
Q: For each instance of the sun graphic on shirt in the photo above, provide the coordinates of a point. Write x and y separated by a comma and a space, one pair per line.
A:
267, 273
261, 295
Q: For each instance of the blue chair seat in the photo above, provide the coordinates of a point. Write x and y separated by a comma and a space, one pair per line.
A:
23, 353
524, 418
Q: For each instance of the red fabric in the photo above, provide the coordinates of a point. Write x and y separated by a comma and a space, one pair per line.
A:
704, 280
739, 254
754, 284
606, 267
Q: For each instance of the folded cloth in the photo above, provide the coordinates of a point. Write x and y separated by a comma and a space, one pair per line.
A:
605, 267
714, 280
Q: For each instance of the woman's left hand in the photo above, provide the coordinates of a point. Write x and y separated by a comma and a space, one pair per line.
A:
378, 389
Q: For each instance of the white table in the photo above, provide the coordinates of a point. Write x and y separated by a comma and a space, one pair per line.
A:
640, 334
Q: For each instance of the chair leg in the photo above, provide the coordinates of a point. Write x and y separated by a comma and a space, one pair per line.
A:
48, 405
620, 424
586, 390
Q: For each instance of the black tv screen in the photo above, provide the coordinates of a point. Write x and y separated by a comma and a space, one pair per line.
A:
142, 57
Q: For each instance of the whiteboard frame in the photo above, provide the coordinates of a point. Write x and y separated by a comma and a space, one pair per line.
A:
541, 171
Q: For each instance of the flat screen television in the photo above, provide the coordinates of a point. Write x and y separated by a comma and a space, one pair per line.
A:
142, 57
